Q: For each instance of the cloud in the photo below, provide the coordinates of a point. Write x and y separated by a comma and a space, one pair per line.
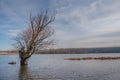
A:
13, 33
91, 42
97, 20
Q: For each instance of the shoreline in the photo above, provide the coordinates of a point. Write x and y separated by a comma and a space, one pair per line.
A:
6, 53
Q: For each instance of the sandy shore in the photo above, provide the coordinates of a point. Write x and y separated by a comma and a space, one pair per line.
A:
7, 53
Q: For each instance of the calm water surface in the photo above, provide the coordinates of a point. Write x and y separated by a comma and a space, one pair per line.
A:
54, 67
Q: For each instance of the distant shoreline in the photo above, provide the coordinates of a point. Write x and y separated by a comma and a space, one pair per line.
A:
71, 51
8, 53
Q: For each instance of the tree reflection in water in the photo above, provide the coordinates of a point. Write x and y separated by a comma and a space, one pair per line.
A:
24, 73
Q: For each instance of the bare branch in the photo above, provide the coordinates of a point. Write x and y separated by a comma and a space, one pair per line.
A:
36, 36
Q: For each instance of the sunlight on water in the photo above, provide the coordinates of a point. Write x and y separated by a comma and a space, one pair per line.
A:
54, 67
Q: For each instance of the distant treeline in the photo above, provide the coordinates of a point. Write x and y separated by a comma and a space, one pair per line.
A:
81, 50
73, 51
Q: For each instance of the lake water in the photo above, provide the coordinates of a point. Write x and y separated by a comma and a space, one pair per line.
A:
54, 67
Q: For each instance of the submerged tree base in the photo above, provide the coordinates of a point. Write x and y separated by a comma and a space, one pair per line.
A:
24, 62
94, 58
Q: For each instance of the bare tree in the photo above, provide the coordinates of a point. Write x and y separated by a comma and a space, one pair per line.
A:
35, 37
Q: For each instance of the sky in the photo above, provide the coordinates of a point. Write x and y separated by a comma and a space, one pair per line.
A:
78, 24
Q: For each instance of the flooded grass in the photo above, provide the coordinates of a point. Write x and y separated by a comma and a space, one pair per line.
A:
94, 58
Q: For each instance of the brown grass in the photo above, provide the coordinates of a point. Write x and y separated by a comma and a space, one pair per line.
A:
12, 63
94, 58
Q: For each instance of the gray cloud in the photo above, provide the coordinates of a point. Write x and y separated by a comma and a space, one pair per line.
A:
96, 20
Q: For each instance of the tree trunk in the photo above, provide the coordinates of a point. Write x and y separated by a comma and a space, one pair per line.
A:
24, 62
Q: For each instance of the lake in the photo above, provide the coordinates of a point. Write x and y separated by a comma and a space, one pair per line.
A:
54, 67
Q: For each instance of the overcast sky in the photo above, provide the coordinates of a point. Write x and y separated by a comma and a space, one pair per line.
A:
79, 23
